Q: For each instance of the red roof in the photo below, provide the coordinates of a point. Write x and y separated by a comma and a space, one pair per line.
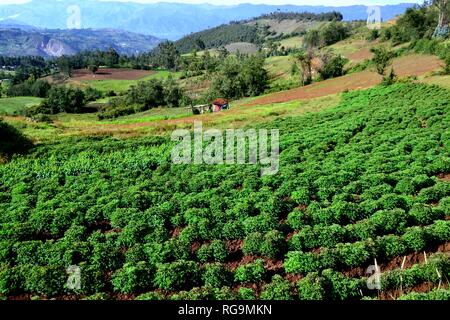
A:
220, 102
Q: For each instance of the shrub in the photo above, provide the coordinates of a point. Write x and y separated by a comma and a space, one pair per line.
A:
390, 221
382, 59
48, 280
251, 272
274, 244
216, 275
63, 99
311, 287
300, 262
11, 280
278, 289
132, 278
219, 250
339, 287
92, 279
333, 67
439, 231
252, 243
150, 296
391, 246
246, 294
297, 219
423, 214
177, 275
415, 239
353, 254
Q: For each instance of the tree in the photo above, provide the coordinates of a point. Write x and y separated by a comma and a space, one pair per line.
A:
111, 57
333, 66
168, 55
382, 59
333, 32
63, 99
173, 93
312, 39
444, 8
200, 44
64, 65
93, 68
305, 59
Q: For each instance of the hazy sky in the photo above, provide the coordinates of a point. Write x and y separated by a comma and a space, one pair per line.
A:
279, 2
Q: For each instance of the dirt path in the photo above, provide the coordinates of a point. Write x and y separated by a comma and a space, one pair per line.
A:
412, 65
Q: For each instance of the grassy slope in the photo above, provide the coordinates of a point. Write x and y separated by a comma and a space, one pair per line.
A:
161, 121
16, 104
122, 85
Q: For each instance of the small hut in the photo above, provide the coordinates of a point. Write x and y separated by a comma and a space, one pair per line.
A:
220, 104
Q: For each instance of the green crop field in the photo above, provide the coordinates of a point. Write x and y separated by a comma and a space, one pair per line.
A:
120, 86
362, 180
17, 104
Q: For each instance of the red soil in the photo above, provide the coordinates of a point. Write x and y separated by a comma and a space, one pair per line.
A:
109, 74
413, 65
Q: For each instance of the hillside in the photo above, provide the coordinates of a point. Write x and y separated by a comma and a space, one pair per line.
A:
362, 180
18, 40
163, 20
254, 31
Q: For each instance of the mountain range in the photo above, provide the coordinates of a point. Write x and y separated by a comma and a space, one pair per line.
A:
19, 39
162, 20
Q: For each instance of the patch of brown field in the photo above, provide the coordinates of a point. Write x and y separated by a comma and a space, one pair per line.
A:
412, 65
444, 177
233, 265
274, 266
110, 74
360, 55
293, 278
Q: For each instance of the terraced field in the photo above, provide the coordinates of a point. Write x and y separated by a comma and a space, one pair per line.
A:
364, 178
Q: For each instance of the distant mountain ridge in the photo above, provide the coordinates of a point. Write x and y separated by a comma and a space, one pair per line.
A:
19, 40
163, 20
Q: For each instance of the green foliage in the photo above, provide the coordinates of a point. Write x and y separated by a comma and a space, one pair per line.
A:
330, 34
218, 37
251, 272
240, 77
62, 99
270, 245
246, 294
360, 181
333, 66
132, 278
416, 23
48, 280
215, 275
311, 287
278, 289
177, 275
382, 59
12, 141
